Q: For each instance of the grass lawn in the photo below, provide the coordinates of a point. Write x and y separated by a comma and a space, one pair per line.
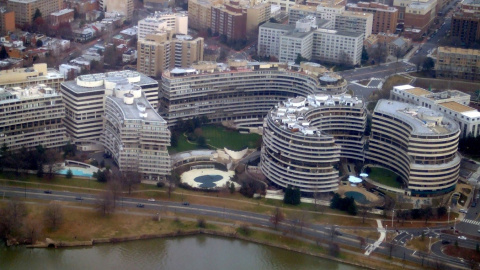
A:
182, 146
384, 176
220, 137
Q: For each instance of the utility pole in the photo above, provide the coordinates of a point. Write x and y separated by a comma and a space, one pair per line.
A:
393, 214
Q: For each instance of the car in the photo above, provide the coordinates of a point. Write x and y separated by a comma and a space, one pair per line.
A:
338, 233
461, 237
79, 198
151, 200
478, 231
186, 203
474, 204
445, 242
47, 192
140, 205
463, 211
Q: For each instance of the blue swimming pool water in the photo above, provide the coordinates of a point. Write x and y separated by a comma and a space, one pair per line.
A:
76, 172
208, 181
357, 196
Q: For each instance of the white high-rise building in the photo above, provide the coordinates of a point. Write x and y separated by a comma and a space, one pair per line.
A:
354, 22
298, 41
333, 46
178, 22
269, 35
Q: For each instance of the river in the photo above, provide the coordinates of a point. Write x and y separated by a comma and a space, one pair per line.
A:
191, 252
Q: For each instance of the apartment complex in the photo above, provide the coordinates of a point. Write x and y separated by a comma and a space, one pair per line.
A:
417, 16
458, 63
160, 51
31, 116
354, 22
452, 103
200, 13
419, 144
123, 7
61, 16
384, 17
340, 47
37, 74
269, 35
304, 139
25, 9
240, 92
135, 135
178, 22
285, 5
84, 100
7, 21
466, 26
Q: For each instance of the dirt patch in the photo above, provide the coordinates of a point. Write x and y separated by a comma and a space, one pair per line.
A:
465, 253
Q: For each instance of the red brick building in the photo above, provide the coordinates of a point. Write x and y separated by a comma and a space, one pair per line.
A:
229, 20
61, 16
385, 18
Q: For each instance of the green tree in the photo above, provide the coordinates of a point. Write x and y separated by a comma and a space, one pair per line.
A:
100, 176
37, 14
69, 174
335, 202
352, 208
296, 195
364, 55
428, 64
3, 53
39, 43
300, 59
232, 188
287, 196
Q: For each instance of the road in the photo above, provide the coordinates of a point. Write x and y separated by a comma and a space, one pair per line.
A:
377, 71
314, 230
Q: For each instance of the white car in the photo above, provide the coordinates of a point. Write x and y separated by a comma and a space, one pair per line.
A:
463, 211
462, 237
151, 200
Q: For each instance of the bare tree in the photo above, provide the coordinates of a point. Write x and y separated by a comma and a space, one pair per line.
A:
53, 215
364, 211
130, 179
345, 59
299, 221
11, 218
378, 54
32, 230
334, 249
361, 241
52, 161
104, 203
277, 217
114, 185
390, 246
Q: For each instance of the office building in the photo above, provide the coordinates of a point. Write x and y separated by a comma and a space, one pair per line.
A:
304, 139
338, 47
417, 143
385, 18
160, 51
123, 7
452, 103
200, 13
37, 74
84, 100
178, 22
240, 92
31, 116
7, 21
269, 35
458, 63
25, 9
466, 26
135, 135
417, 16
322, 11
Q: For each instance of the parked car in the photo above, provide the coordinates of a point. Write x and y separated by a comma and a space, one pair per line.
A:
140, 205
461, 237
445, 242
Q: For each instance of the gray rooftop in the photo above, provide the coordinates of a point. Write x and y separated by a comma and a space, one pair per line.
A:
340, 32
412, 115
131, 111
278, 26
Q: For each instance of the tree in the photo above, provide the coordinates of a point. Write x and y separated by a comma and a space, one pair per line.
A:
379, 54
364, 55
232, 188
441, 211
352, 208
37, 14
104, 203
115, 187
53, 216
428, 64
300, 59
277, 217
364, 212
65, 30
345, 60
11, 218
101, 176
69, 174
335, 202
361, 241
130, 179
427, 213
32, 230
3, 53
52, 161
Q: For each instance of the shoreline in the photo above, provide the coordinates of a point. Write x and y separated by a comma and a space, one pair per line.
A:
71, 244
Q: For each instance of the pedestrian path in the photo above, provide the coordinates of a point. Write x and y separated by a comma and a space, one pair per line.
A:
474, 222
372, 247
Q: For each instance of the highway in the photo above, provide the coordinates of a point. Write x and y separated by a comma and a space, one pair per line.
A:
312, 230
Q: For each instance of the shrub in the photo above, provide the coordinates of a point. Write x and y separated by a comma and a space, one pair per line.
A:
69, 174
201, 223
244, 229
160, 184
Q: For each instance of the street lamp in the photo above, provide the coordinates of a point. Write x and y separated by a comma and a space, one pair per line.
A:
454, 224
449, 216
386, 233
430, 245
393, 214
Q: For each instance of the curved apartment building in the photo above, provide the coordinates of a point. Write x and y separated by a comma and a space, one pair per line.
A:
240, 91
419, 144
304, 139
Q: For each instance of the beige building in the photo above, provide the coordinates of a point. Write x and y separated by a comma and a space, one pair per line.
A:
322, 11
160, 51
359, 22
31, 116
178, 22
25, 9
458, 63
135, 135
200, 13
37, 74
124, 7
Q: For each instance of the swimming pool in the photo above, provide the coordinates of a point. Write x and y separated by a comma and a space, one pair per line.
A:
357, 196
208, 181
76, 172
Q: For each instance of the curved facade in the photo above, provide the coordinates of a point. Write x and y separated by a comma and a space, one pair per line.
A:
417, 143
242, 92
304, 139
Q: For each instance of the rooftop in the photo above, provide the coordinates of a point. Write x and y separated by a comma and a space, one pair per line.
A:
422, 120
62, 12
340, 33
416, 91
139, 110
278, 26
356, 14
457, 107
458, 50
14, 94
